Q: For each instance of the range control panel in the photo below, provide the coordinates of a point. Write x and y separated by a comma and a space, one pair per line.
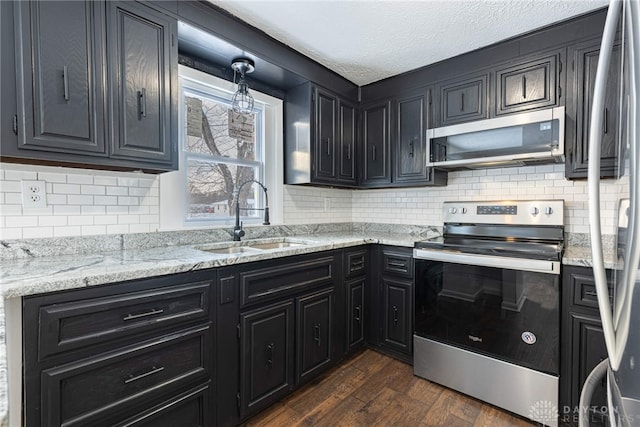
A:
516, 212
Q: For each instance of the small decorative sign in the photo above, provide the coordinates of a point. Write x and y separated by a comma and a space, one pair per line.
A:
194, 116
241, 126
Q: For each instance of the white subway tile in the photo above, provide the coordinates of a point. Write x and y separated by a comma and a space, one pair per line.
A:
37, 211
92, 189
128, 201
117, 229
11, 233
67, 231
18, 175
66, 210
105, 180
13, 198
66, 188
88, 230
10, 186
79, 179
127, 182
139, 228
134, 191
105, 219
80, 220
105, 200
37, 232
92, 210
128, 219
117, 191
56, 199
51, 221
73, 199
117, 209
52, 177
21, 221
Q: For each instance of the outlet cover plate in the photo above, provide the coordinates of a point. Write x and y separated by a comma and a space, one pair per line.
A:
34, 194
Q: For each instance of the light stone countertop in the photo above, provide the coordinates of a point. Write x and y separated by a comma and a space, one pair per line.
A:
29, 276
41, 274
581, 256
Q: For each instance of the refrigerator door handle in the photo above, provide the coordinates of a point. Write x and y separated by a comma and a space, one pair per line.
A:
593, 179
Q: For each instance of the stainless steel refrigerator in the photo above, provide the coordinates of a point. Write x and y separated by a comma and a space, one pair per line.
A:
620, 318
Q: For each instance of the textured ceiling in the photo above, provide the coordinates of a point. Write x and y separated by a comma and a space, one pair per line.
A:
368, 40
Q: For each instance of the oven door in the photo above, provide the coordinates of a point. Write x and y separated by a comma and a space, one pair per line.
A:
505, 308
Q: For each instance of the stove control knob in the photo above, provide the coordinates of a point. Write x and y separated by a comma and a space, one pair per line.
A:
548, 210
534, 211
453, 210
463, 210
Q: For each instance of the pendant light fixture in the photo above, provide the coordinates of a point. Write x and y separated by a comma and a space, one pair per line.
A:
242, 101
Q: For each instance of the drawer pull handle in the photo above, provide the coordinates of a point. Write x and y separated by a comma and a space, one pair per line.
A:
595, 294
357, 316
349, 151
396, 264
411, 148
395, 315
142, 103
133, 378
145, 314
270, 355
356, 264
316, 334
65, 83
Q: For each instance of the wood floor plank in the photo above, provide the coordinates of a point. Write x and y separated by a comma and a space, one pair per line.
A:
372, 389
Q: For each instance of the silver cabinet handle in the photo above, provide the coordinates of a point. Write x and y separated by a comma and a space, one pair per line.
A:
65, 82
142, 103
133, 378
151, 312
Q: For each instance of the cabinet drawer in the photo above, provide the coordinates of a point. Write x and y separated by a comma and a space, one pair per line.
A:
266, 284
584, 289
190, 409
355, 263
71, 325
397, 263
95, 390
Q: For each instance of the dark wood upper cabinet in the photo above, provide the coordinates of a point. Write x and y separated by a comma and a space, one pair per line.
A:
319, 137
347, 133
96, 86
376, 144
410, 160
142, 63
527, 85
463, 100
60, 99
584, 59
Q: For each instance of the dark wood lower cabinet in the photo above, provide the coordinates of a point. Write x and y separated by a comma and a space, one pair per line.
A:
396, 309
314, 333
583, 345
355, 312
266, 356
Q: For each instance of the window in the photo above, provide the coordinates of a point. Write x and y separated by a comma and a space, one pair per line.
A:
220, 152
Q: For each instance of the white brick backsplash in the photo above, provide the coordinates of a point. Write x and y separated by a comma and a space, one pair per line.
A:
79, 179
98, 202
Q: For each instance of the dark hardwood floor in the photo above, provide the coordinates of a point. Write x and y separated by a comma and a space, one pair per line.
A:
372, 389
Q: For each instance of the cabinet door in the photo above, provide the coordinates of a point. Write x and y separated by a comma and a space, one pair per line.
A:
325, 138
588, 349
376, 135
60, 92
396, 309
143, 61
526, 86
347, 136
583, 79
314, 332
266, 356
410, 161
463, 100
355, 312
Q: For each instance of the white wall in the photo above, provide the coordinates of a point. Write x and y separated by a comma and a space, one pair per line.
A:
85, 202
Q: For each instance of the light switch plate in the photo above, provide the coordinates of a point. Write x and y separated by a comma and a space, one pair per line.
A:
34, 194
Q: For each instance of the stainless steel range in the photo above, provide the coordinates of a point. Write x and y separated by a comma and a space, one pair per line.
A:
487, 304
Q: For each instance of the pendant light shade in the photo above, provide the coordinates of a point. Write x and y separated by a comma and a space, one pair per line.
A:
242, 101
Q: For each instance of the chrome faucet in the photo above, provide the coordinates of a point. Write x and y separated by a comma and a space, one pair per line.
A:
238, 232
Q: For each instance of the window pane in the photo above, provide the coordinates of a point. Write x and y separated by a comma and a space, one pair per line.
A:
212, 186
208, 124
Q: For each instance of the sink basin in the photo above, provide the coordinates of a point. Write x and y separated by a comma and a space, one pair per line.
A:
274, 245
229, 250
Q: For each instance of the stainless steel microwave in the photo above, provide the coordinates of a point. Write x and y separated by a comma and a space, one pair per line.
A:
519, 139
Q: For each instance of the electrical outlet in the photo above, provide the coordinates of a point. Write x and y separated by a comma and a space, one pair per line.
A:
34, 194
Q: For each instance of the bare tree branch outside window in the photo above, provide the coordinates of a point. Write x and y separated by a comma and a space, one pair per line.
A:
218, 163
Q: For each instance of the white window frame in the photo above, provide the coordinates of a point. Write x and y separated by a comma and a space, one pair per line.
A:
173, 185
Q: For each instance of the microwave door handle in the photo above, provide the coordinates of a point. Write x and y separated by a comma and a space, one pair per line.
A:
429, 137
593, 180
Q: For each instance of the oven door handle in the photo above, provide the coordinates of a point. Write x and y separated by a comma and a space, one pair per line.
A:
533, 265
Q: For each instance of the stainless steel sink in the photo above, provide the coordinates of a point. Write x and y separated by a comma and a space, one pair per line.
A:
229, 250
274, 245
